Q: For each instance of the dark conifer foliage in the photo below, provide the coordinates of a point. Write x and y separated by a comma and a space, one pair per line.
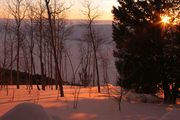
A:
141, 59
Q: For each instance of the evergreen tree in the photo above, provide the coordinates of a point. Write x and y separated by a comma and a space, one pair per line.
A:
171, 65
140, 47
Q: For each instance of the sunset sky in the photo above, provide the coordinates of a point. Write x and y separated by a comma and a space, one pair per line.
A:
104, 6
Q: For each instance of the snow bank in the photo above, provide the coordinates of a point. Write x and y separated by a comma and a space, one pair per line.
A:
144, 98
26, 111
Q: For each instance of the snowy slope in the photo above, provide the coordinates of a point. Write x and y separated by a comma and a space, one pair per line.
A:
91, 106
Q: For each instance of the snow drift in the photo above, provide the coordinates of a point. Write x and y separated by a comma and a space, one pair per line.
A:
141, 98
26, 111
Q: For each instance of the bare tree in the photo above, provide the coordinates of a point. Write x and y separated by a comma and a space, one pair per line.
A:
52, 42
8, 56
38, 11
91, 12
18, 10
105, 65
31, 41
4, 79
26, 63
11, 35
85, 74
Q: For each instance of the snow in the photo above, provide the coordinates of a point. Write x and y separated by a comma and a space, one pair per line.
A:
145, 98
172, 115
91, 105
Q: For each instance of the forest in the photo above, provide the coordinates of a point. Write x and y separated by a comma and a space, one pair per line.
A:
51, 63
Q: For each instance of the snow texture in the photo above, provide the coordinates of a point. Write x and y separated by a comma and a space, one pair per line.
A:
144, 98
173, 115
91, 105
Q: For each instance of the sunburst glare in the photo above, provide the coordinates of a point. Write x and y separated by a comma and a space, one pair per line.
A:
165, 19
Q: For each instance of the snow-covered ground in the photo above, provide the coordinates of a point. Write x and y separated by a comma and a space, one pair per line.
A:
46, 105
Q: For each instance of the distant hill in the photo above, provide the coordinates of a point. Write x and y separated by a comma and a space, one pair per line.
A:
5, 78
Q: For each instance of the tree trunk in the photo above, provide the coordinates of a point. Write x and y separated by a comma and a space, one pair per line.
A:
18, 48
60, 82
95, 55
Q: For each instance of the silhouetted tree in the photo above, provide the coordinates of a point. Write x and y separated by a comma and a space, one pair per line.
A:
171, 65
140, 56
18, 10
94, 41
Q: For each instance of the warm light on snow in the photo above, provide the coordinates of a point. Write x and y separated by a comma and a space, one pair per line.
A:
44, 105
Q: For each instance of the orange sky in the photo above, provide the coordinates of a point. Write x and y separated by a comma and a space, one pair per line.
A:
104, 6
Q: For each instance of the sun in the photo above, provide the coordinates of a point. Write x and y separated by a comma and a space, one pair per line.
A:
165, 19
